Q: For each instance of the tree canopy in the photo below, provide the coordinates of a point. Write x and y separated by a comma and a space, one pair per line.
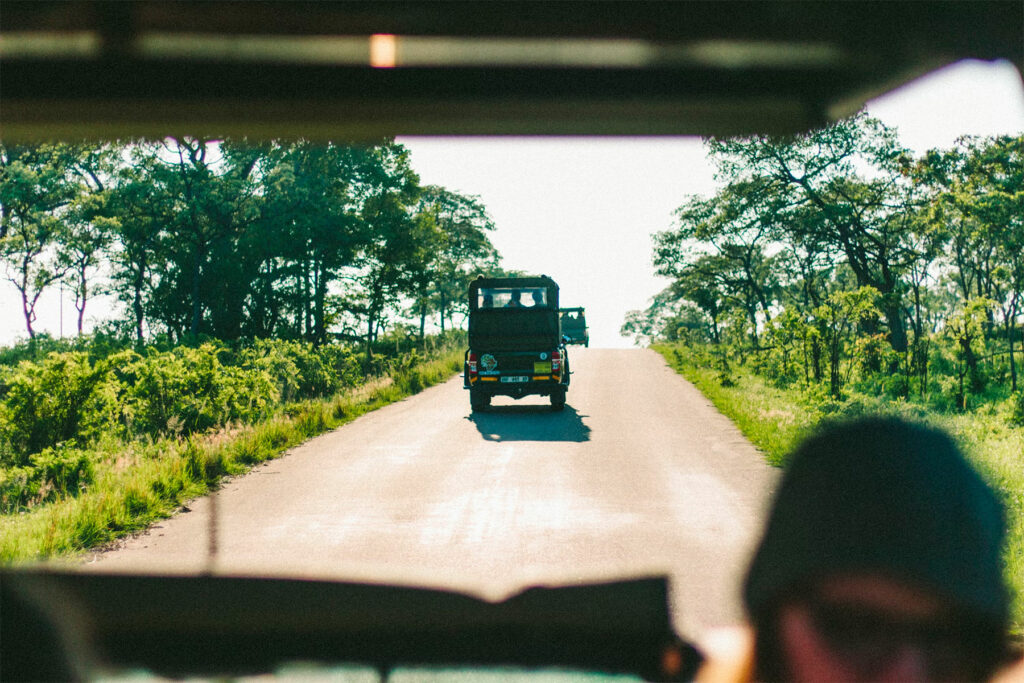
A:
840, 248
235, 239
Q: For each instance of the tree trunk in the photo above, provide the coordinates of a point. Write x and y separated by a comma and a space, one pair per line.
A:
897, 328
305, 325
319, 306
816, 358
29, 315
834, 381
971, 364
922, 359
371, 325
197, 307
1011, 328
80, 307
137, 307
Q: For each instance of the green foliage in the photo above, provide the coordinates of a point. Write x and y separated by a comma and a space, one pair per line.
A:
188, 390
301, 370
48, 475
71, 498
230, 239
836, 265
51, 402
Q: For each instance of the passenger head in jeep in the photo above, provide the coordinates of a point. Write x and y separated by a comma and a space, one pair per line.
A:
881, 560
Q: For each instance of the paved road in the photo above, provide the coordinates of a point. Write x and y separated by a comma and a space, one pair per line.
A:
638, 476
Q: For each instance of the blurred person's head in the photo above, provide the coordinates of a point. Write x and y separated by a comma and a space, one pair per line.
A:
881, 560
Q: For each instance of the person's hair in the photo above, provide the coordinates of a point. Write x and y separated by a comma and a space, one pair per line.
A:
885, 497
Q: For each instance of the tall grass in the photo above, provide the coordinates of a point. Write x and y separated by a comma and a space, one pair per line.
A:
776, 419
137, 483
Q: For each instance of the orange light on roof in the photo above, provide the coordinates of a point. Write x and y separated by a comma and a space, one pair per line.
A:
383, 50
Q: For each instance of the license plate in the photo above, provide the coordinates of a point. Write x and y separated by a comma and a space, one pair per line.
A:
508, 379
542, 368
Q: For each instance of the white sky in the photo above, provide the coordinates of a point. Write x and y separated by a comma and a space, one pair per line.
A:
582, 210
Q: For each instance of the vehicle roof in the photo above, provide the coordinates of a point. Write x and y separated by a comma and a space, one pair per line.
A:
624, 67
522, 282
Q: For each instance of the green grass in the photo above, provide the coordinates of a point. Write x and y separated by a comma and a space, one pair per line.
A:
137, 484
776, 419
771, 418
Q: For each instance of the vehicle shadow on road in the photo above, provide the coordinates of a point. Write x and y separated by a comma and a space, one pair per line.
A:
530, 423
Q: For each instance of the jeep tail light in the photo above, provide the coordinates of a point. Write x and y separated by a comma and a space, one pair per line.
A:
472, 365
556, 362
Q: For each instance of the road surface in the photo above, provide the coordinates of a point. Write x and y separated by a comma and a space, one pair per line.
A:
638, 476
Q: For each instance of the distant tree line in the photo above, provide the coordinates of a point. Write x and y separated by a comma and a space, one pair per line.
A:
838, 258
233, 239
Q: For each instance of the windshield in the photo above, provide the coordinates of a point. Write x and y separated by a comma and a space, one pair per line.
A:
248, 356
512, 297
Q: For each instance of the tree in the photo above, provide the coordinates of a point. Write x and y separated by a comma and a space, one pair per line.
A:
460, 250
89, 226
396, 250
37, 185
311, 220
669, 318
836, 318
208, 198
864, 218
718, 264
138, 242
966, 329
978, 206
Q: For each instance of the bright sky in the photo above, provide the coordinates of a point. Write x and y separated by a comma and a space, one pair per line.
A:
582, 210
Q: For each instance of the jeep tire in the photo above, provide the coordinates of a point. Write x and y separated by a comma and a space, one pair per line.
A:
558, 399
478, 400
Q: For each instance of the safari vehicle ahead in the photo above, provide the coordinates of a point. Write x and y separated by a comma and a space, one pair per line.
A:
515, 345
574, 325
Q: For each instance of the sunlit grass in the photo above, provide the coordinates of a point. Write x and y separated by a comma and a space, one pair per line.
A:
773, 419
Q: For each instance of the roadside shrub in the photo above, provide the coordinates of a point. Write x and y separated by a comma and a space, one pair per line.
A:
301, 371
53, 401
49, 475
246, 395
1018, 409
273, 358
316, 378
188, 390
343, 363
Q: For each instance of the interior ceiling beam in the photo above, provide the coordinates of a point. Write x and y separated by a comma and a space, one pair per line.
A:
701, 67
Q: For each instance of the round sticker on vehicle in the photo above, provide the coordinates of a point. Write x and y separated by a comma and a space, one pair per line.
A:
543, 356
488, 362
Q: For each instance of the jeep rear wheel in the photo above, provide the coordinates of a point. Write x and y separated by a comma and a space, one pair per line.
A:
478, 400
558, 399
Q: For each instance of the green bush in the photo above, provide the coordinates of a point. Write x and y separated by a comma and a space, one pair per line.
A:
187, 390
118, 400
302, 371
53, 401
1017, 414
51, 474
